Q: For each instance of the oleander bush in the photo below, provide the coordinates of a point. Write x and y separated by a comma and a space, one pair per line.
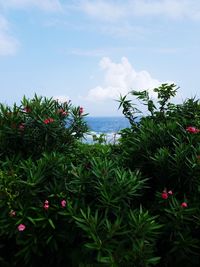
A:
59, 214
131, 203
165, 146
39, 125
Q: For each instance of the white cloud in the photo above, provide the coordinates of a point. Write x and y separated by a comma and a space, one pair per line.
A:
168, 8
61, 98
103, 10
113, 10
8, 44
120, 78
120, 10
45, 5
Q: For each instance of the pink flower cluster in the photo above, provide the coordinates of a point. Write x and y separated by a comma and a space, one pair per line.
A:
46, 205
192, 129
63, 204
166, 194
48, 120
62, 112
21, 126
81, 110
27, 109
21, 227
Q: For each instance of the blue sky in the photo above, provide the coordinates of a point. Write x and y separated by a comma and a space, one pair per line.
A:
90, 51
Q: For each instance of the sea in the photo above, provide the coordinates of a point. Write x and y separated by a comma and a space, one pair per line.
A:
109, 127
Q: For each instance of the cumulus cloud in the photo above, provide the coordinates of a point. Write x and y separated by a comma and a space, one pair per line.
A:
45, 5
120, 78
8, 44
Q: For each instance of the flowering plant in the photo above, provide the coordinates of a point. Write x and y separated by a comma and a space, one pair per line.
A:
39, 125
164, 146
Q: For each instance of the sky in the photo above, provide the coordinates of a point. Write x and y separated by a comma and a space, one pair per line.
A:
91, 51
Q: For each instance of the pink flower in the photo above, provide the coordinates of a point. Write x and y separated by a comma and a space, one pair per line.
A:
12, 213
48, 120
46, 205
63, 203
192, 129
51, 120
184, 205
164, 195
62, 112
27, 109
21, 126
80, 110
21, 227
170, 192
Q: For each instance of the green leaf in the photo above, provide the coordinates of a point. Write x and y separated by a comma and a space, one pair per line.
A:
154, 260
31, 220
51, 223
39, 219
49, 239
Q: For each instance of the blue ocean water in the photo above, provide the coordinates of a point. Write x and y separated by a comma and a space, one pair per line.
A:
107, 124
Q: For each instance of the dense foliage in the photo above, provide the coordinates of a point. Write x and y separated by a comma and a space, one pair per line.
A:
39, 125
165, 147
133, 203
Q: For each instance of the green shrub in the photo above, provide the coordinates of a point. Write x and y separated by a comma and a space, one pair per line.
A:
73, 215
165, 146
39, 125
65, 203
